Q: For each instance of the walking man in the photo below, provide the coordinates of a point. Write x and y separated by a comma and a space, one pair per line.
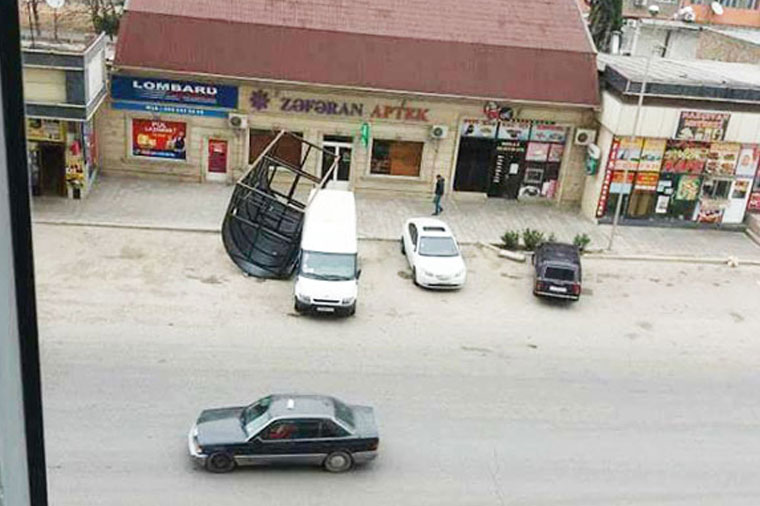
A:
439, 188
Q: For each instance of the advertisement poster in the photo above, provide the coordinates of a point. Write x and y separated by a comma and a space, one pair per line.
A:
740, 189
178, 92
688, 188
702, 126
709, 212
514, 131
605, 193
159, 139
483, 129
555, 152
651, 155
684, 157
754, 202
662, 204
617, 186
49, 130
548, 133
628, 153
747, 164
537, 152
647, 181
722, 158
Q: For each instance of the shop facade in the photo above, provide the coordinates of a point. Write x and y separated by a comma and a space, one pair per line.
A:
395, 104
64, 88
385, 142
692, 162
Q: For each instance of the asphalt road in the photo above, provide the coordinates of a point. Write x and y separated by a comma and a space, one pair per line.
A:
643, 393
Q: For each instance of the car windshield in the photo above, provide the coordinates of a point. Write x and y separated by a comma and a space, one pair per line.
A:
438, 247
256, 415
559, 273
328, 266
344, 413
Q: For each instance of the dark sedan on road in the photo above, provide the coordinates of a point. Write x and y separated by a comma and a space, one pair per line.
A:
296, 429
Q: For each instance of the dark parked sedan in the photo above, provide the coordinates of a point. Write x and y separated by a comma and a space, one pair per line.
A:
298, 429
557, 271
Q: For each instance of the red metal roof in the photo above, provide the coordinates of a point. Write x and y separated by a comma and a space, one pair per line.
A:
511, 49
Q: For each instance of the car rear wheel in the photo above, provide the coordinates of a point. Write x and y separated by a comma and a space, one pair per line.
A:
414, 276
338, 462
403, 248
220, 462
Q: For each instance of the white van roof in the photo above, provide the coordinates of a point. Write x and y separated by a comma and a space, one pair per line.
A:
330, 223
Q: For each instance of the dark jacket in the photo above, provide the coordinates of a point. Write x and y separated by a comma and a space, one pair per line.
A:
439, 184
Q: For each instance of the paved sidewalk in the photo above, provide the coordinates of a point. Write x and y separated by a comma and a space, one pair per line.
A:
159, 204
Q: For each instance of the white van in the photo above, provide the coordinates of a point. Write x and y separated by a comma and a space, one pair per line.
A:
328, 272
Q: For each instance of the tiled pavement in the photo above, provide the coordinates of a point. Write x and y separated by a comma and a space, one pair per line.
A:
160, 204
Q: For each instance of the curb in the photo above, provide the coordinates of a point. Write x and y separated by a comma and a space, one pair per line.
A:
589, 255
97, 224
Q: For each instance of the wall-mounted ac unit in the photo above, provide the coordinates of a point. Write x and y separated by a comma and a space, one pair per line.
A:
237, 120
584, 136
439, 131
639, 3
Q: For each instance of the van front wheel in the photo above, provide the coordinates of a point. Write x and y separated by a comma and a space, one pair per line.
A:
299, 306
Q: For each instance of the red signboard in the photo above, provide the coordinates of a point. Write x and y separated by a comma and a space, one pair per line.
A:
754, 202
605, 193
159, 139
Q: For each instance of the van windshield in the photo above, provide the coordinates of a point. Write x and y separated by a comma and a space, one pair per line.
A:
328, 266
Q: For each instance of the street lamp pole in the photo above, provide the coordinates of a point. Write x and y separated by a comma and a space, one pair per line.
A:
634, 134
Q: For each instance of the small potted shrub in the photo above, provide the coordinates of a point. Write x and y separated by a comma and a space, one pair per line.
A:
532, 239
582, 241
510, 240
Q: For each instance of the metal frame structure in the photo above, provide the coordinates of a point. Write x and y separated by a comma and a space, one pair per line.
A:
262, 227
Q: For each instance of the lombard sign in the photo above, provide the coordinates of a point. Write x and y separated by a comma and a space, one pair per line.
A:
139, 89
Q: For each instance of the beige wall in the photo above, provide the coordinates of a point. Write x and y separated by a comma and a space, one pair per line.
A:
114, 134
716, 46
437, 157
44, 85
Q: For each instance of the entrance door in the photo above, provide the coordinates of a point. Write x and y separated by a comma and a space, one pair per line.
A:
216, 166
52, 169
473, 165
342, 148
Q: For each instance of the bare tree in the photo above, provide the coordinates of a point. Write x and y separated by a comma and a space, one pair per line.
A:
34, 16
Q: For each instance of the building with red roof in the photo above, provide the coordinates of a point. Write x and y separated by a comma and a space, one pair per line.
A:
488, 93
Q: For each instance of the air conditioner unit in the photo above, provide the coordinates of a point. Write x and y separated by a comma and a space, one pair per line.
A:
639, 3
237, 120
584, 136
690, 17
439, 131
631, 23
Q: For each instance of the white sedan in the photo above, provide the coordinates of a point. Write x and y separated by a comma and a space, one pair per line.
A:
433, 254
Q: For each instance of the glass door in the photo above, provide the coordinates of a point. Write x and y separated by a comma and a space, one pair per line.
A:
340, 147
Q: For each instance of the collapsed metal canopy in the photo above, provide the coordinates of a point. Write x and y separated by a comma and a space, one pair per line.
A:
262, 227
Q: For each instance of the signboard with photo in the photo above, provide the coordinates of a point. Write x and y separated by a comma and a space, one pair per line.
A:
628, 153
722, 158
514, 131
702, 126
479, 128
688, 188
747, 164
538, 152
684, 157
555, 152
754, 202
617, 186
49, 130
651, 155
548, 133
159, 139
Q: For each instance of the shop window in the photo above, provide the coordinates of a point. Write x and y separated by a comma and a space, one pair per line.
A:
396, 158
716, 189
288, 149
